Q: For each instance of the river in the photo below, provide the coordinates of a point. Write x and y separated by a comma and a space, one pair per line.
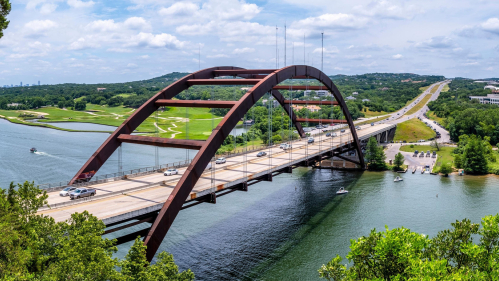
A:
280, 230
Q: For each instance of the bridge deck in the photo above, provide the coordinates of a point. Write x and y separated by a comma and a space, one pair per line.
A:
120, 200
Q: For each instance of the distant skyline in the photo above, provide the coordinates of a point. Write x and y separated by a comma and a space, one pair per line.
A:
92, 41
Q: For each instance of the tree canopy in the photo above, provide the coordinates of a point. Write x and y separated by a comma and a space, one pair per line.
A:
35, 247
4, 11
375, 156
400, 254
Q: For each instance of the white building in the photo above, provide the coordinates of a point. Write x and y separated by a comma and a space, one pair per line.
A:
355, 93
320, 93
351, 98
493, 88
489, 99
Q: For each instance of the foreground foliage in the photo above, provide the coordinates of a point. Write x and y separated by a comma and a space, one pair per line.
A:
400, 254
35, 247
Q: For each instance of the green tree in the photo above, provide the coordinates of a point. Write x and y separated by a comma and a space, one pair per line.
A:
35, 247
4, 11
398, 161
400, 254
475, 161
80, 105
375, 156
458, 161
435, 145
445, 169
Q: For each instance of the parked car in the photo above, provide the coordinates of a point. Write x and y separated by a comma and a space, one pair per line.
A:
220, 160
342, 130
66, 191
81, 192
170, 172
310, 140
261, 153
372, 124
318, 126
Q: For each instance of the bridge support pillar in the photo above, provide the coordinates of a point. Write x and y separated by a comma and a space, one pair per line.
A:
288, 170
267, 177
242, 186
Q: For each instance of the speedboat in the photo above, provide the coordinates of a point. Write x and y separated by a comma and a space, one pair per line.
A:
398, 179
342, 191
32, 150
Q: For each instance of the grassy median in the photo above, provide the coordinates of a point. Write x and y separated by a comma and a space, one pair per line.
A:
413, 130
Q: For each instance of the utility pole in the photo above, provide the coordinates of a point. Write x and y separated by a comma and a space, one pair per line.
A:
276, 52
322, 52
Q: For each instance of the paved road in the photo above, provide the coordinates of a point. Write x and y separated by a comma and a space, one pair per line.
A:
151, 191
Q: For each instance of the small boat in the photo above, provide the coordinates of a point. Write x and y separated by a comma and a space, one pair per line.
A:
32, 150
398, 179
342, 191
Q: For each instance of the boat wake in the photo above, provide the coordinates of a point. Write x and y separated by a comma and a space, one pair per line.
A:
46, 154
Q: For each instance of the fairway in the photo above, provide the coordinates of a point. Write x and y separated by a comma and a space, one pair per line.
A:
413, 130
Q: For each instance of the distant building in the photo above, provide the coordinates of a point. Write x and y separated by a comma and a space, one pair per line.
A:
365, 100
21, 83
493, 88
274, 101
489, 99
320, 93
384, 89
38, 82
245, 89
101, 89
312, 108
351, 98
13, 104
355, 93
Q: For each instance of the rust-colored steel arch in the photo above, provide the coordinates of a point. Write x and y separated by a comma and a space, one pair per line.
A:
183, 188
264, 81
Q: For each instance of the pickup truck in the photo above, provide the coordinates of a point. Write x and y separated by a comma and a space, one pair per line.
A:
81, 192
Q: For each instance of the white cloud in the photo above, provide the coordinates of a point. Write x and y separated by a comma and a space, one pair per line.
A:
243, 50
80, 4
162, 40
40, 25
144, 57
82, 44
131, 65
136, 23
491, 25
387, 10
397, 57
358, 57
489, 68
327, 50
217, 56
332, 22
48, 8
438, 42
103, 25
119, 50
180, 9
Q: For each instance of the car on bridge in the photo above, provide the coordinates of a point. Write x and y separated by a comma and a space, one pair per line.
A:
220, 160
342, 130
328, 134
170, 172
357, 128
81, 192
334, 135
261, 154
66, 191
310, 140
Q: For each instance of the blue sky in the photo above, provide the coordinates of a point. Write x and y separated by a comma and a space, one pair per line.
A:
90, 41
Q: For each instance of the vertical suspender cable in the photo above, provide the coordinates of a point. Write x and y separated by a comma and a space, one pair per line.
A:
270, 134
156, 148
120, 161
214, 156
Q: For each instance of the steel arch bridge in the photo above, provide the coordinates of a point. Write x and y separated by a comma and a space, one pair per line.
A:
264, 81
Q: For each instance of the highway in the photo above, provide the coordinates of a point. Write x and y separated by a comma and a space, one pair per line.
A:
125, 196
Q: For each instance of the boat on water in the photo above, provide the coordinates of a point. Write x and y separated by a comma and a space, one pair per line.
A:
32, 150
398, 179
342, 191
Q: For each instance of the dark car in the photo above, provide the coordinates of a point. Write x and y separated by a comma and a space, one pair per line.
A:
261, 153
328, 134
342, 130
372, 124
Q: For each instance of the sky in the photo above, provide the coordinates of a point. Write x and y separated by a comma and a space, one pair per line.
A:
92, 41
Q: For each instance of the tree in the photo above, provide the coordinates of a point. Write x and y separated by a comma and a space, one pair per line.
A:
445, 169
475, 161
398, 161
4, 11
375, 156
400, 254
458, 161
435, 145
35, 247
80, 105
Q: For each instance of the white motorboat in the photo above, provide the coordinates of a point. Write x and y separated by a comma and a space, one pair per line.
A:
342, 191
398, 179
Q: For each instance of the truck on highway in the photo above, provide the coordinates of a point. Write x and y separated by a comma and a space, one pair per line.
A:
81, 192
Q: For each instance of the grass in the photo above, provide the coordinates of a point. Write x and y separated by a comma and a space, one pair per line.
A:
445, 154
432, 116
445, 88
419, 105
200, 124
413, 130
370, 121
369, 113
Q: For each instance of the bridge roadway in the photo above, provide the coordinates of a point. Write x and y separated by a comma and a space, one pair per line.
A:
120, 200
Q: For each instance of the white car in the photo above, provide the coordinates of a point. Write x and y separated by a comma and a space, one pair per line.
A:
287, 146
66, 191
170, 172
334, 135
283, 145
220, 161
